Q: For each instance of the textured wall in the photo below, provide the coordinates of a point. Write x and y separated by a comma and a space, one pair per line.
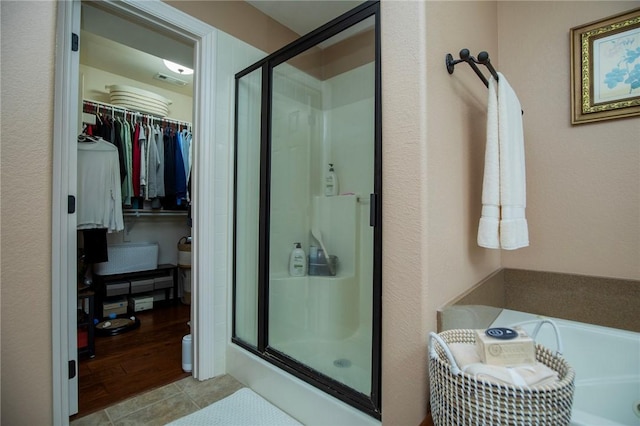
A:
404, 172
433, 133
583, 193
28, 40
583, 182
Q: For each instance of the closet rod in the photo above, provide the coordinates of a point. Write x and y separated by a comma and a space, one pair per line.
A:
98, 106
483, 59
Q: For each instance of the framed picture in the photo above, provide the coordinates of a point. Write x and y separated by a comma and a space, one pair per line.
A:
605, 74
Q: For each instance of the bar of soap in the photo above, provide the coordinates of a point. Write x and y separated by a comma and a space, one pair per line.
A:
516, 351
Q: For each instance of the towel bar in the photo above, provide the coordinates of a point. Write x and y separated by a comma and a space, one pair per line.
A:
465, 56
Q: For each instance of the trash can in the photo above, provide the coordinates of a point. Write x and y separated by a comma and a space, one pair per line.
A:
187, 363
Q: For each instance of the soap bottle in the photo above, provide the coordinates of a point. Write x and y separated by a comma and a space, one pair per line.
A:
331, 182
297, 261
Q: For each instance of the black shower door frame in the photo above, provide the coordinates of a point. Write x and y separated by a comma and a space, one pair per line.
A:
370, 404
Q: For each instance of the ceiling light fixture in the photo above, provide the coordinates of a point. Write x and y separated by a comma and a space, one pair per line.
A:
177, 68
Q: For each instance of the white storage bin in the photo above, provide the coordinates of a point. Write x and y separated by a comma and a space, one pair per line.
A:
129, 257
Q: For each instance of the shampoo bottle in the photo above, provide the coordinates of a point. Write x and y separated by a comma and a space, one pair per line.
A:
331, 182
297, 261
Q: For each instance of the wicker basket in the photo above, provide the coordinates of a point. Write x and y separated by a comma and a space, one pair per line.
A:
458, 398
184, 252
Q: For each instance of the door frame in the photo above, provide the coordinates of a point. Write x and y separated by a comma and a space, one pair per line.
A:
64, 245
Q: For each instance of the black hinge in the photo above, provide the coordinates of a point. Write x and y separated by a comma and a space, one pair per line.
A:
72, 369
74, 42
373, 208
71, 204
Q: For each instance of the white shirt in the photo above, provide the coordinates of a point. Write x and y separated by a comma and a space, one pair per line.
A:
99, 188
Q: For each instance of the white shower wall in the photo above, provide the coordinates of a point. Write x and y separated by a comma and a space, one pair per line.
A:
350, 115
342, 112
350, 123
316, 123
296, 130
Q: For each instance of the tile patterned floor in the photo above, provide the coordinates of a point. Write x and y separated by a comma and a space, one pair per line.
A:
165, 404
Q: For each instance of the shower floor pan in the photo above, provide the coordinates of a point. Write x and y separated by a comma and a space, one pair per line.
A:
345, 360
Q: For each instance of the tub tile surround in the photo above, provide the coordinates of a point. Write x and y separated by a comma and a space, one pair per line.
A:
164, 404
609, 302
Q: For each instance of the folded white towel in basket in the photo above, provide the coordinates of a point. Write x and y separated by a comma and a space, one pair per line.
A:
468, 360
530, 375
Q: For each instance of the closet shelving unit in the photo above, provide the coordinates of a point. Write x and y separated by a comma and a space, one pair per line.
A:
96, 107
153, 213
165, 277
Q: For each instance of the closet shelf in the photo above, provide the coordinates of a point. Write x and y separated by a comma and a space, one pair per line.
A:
153, 213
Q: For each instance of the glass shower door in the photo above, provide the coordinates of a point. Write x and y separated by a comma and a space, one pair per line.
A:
307, 178
247, 206
322, 157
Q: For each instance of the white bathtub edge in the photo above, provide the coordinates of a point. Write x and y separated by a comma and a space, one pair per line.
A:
581, 418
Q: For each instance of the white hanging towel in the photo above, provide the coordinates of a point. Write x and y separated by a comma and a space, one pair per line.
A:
503, 223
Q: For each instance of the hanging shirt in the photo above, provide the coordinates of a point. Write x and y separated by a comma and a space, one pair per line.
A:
99, 196
127, 186
186, 157
169, 139
117, 126
181, 178
142, 140
135, 163
157, 133
153, 164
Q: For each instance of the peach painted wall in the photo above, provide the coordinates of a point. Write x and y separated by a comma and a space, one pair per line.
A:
583, 181
28, 42
433, 138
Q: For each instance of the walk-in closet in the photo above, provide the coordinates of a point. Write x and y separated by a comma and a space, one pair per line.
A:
135, 156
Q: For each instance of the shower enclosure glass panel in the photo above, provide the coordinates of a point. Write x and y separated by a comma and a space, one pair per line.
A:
322, 113
247, 166
308, 112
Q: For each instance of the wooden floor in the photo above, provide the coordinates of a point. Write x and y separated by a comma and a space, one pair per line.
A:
136, 361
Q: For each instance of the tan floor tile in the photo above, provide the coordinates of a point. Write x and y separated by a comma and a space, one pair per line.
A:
99, 418
209, 391
187, 381
160, 413
131, 405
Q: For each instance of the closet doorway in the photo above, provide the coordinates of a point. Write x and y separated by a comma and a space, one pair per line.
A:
126, 87
160, 16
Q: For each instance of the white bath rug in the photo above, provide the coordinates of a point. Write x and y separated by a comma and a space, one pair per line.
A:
243, 408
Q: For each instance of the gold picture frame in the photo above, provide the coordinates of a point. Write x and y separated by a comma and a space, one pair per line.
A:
605, 72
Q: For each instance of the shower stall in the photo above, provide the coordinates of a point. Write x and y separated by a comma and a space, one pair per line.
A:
312, 104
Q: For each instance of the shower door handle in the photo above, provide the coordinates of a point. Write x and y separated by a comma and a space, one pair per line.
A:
373, 204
